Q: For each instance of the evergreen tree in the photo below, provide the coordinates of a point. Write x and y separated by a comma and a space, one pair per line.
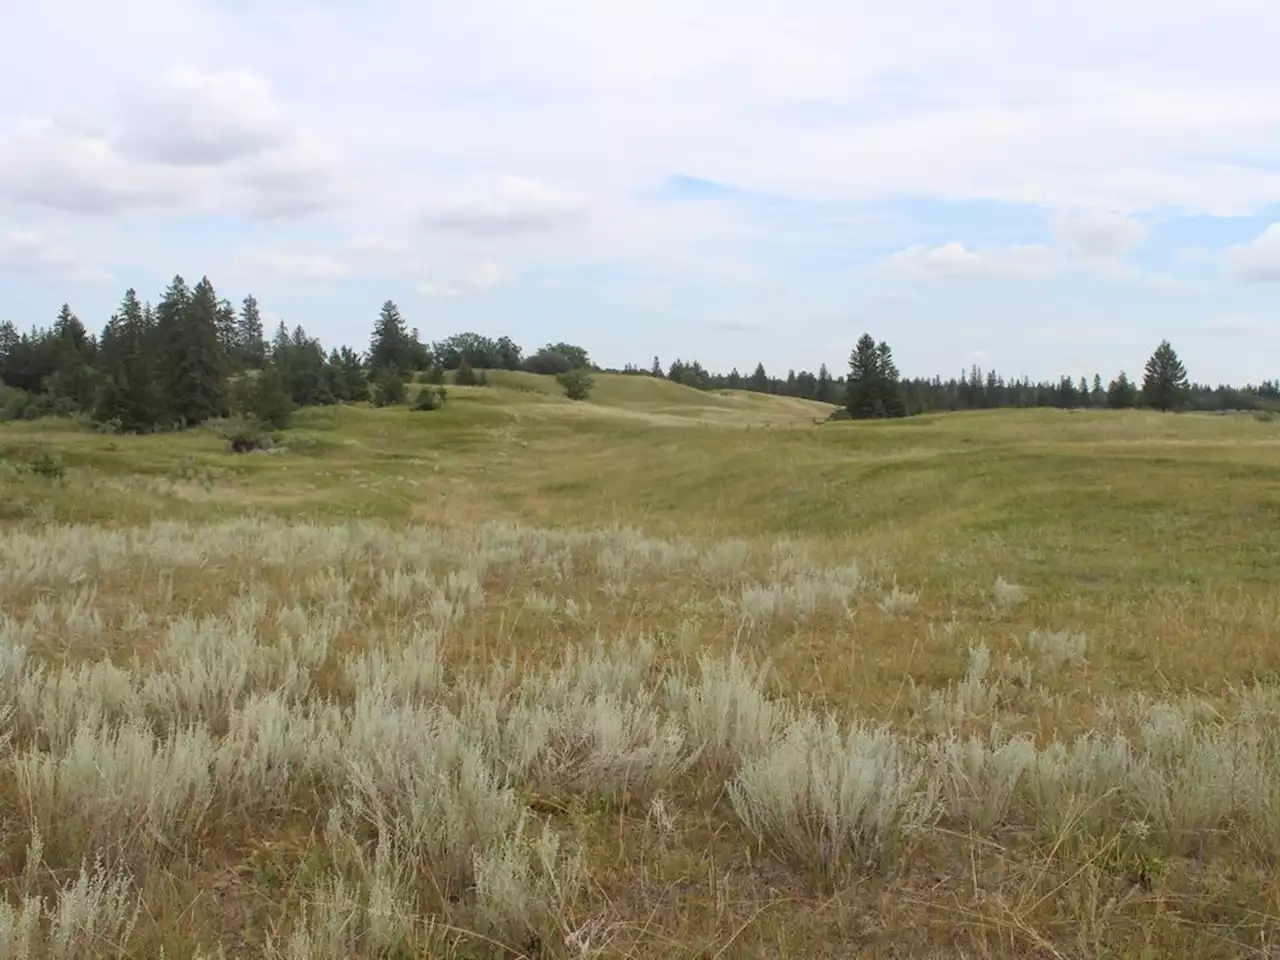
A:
270, 402
863, 389
1121, 393
656, 370
1164, 381
390, 342
388, 386
251, 348
759, 380
349, 382
890, 381
874, 385
825, 392
228, 334
129, 394
193, 367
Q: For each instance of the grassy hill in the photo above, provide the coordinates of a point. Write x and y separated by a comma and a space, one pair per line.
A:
1068, 625
668, 402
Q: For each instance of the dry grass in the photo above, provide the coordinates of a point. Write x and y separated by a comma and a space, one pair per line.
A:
991, 686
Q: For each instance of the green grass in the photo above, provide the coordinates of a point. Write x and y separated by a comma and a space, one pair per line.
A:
1157, 536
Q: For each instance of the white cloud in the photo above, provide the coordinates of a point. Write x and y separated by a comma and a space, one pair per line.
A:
197, 118
206, 143
1257, 261
504, 204
481, 276
291, 265
1097, 234
488, 274
955, 260
47, 253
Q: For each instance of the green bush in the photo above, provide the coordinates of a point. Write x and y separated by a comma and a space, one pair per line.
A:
577, 384
429, 398
44, 464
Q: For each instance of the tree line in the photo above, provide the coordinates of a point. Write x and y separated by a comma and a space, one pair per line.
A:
875, 388
194, 356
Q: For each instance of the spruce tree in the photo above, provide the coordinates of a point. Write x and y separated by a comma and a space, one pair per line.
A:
129, 394
349, 383
825, 392
228, 334
759, 380
1164, 381
390, 342
193, 364
863, 390
250, 338
890, 383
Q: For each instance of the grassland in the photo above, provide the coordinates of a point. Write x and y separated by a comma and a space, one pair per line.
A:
662, 674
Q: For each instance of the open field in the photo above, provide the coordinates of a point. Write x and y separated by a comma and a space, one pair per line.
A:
663, 674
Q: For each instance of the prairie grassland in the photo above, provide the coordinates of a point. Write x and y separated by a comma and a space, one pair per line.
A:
681, 676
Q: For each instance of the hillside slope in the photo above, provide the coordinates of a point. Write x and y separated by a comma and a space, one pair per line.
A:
659, 401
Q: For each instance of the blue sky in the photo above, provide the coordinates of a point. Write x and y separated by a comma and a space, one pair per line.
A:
1034, 188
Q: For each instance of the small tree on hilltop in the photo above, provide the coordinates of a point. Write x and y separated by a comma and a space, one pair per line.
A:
577, 383
1164, 382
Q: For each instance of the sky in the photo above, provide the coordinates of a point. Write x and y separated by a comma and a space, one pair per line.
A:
1040, 189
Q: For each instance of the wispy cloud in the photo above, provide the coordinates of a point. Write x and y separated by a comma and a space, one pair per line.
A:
955, 260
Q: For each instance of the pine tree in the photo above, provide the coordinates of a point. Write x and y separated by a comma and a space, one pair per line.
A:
759, 380
1164, 381
250, 340
656, 370
390, 342
1121, 393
